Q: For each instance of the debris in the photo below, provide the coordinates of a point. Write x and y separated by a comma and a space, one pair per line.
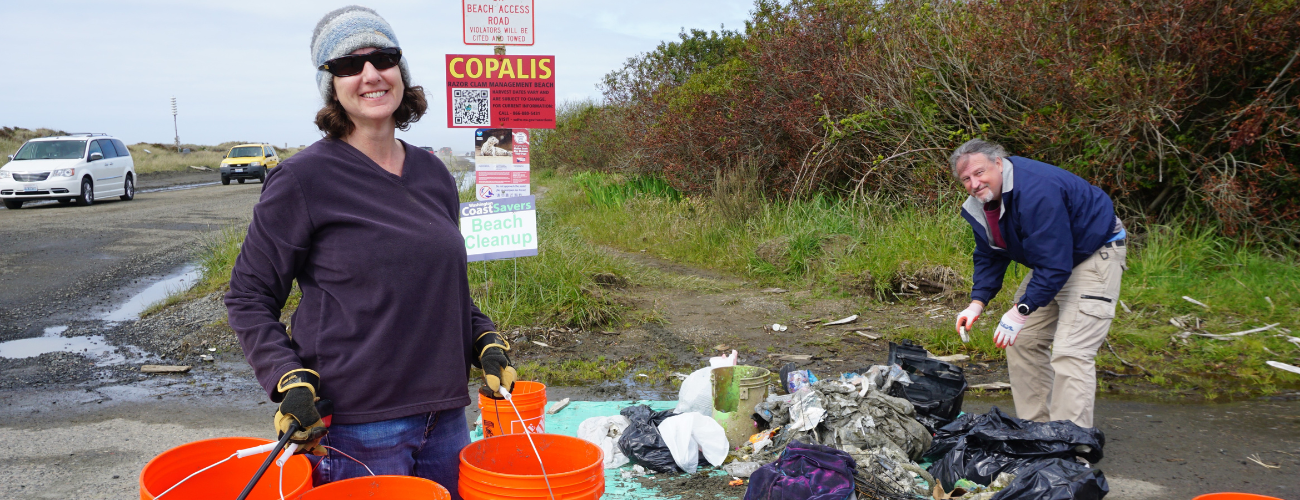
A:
842, 321
557, 406
540, 344
1283, 366
1247, 332
995, 386
741, 469
1270, 303
604, 432
1255, 458
790, 357
691, 435
1125, 306
952, 358
148, 152
1194, 301
207, 357
637, 470
200, 168
736, 482
774, 290
867, 335
212, 349
777, 327
720, 347
642, 375
164, 368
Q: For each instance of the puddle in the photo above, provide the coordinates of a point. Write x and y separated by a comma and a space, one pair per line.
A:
92, 346
159, 290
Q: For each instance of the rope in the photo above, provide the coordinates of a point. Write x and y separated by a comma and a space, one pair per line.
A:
529, 435
187, 478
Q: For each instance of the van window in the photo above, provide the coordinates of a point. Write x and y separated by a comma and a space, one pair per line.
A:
108, 149
94, 148
121, 148
51, 150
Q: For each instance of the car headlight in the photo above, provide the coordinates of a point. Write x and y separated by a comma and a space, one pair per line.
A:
255, 164
5, 175
64, 172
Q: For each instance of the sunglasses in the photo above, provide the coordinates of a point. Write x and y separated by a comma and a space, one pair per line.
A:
349, 65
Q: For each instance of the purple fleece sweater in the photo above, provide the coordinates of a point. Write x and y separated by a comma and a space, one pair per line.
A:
386, 317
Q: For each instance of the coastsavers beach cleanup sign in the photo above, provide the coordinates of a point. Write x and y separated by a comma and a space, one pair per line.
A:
500, 91
497, 22
501, 168
499, 229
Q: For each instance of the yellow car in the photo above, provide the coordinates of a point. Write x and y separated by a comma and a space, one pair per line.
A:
248, 161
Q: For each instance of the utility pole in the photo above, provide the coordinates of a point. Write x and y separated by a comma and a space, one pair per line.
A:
174, 127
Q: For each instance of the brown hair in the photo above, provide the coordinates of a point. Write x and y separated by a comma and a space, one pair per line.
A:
333, 119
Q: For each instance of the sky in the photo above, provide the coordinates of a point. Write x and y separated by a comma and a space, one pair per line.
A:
241, 70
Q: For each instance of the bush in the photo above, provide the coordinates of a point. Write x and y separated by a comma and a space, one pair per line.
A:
1183, 110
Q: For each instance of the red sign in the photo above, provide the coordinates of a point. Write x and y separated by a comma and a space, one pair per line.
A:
500, 91
497, 22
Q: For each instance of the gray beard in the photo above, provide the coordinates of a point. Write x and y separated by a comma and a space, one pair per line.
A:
986, 198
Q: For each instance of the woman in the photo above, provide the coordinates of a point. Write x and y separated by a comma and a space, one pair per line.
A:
368, 227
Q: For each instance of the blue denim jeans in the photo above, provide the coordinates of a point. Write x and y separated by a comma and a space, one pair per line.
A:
426, 445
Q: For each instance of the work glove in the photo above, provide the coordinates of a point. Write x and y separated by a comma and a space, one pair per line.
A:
1008, 328
491, 347
967, 318
298, 404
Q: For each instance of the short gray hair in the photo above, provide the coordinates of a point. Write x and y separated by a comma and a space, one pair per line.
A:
991, 150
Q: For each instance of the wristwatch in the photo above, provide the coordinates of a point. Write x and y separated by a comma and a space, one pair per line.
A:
1023, 309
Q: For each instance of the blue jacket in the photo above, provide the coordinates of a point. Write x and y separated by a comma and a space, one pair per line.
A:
1051, 221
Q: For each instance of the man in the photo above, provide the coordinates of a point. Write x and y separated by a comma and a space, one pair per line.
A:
1065, 231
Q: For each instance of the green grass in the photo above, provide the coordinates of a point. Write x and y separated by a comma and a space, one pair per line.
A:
821, 241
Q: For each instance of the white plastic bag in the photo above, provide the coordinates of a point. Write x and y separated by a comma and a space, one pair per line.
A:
696, 394
720, 361
604, 432
689, 434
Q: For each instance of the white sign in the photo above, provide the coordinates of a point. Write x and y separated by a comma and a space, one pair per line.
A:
501, 167
499, 229
497, 22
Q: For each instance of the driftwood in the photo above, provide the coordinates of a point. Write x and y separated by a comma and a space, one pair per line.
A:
164, 368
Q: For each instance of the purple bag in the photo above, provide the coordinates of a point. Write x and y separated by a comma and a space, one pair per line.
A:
804, 472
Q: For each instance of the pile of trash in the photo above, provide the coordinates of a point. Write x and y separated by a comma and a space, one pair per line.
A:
864, 433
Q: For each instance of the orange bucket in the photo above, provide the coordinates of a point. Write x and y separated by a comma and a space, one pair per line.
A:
379, 488
499, 417
1234, 496
504, 467
223, 481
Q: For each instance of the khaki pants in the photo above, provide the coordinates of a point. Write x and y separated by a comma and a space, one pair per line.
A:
1052, 363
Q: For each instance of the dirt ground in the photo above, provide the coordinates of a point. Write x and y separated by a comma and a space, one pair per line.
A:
69, 428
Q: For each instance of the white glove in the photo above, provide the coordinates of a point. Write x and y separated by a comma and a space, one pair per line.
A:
1008, 327
967, 318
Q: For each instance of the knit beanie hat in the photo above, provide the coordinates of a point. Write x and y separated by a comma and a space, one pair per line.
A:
347, 29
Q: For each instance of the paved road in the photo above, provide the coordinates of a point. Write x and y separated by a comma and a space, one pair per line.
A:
58, 261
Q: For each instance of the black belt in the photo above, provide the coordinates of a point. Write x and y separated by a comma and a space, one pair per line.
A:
1112, 244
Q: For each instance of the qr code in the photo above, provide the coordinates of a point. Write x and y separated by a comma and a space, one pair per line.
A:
471, 107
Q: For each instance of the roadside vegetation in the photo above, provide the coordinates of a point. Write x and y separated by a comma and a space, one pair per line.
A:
808, 150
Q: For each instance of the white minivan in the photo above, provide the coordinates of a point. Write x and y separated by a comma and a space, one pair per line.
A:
76, 167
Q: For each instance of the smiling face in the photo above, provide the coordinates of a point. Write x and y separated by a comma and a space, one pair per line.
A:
371, 96
981, 176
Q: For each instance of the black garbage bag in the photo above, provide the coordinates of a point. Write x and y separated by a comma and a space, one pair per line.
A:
641, 441
1056, 479
996, 442
947, 436
937, 387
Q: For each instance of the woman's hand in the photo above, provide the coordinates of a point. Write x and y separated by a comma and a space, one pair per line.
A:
497, 371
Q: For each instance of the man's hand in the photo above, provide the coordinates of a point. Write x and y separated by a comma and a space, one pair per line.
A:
967, 318
1008, 328
298, 388
497, 371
